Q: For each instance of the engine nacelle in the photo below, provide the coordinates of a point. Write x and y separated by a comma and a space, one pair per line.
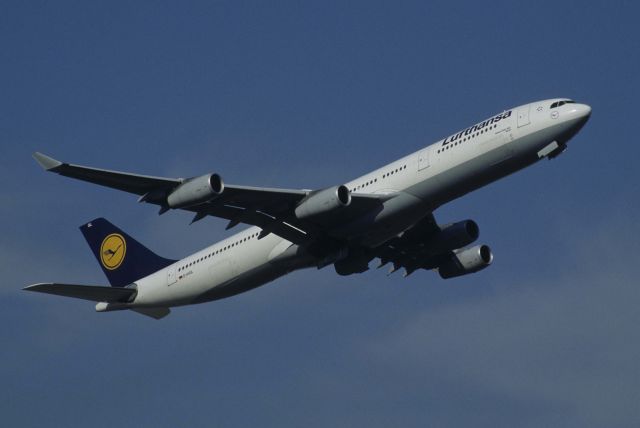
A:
324, 202
196, 191
453, 236
465, 261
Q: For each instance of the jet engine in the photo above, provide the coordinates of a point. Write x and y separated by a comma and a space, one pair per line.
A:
324, 202
196, 191
465, 261
453, 236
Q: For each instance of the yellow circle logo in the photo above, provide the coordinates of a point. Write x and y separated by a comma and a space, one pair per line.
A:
112, 251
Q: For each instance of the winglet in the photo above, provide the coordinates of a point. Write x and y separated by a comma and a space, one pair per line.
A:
46, 162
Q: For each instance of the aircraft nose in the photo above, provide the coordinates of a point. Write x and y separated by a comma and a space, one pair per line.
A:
583, 111
574, 116
577, 113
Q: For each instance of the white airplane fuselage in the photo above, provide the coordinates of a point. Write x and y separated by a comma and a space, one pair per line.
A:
423, 181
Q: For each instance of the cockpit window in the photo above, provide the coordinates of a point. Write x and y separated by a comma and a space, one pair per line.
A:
561, 103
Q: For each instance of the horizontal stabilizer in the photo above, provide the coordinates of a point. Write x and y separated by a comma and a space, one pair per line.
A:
94, 293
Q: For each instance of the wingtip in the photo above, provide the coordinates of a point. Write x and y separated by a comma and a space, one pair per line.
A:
47, 163
34, 287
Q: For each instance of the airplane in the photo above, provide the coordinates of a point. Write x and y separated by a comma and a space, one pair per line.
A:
386, 214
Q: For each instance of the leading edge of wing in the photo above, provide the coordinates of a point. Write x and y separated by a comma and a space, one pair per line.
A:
238, 204
94, 293
272, 209
132, 183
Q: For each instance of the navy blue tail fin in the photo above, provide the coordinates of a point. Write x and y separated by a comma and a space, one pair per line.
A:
122, 259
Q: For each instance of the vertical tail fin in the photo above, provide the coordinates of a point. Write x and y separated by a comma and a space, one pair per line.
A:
122, 259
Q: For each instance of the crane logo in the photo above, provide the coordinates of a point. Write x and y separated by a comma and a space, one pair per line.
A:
112, 251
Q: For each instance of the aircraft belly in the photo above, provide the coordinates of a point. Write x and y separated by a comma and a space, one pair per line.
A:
458, 180
394, 216
399, 214
240, 272
245, 281
463, 178
204, 276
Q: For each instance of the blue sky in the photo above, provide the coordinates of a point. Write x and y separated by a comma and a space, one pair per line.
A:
311, 94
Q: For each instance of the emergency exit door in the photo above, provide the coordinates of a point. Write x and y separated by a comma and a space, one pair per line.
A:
423, 159
523, 116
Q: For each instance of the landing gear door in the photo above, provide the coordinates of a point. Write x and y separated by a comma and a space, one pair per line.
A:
423, 159
523, 116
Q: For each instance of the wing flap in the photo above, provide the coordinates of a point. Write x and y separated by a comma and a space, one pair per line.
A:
263, 220
93, 293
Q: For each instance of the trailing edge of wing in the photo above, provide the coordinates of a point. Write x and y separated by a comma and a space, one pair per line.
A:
93, 293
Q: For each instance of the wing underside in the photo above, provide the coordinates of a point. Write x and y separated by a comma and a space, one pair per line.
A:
411, 250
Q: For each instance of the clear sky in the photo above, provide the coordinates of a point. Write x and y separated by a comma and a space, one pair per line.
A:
306, 95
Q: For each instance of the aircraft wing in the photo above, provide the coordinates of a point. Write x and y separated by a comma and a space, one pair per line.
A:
271, 209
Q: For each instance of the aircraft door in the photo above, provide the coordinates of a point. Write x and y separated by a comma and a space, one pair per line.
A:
171, 275
423, 159
523, 116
